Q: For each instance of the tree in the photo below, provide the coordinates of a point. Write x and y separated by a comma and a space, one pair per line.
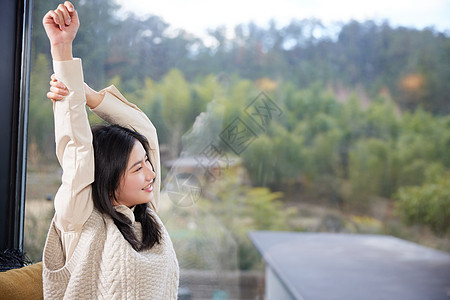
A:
176, 96
428, 204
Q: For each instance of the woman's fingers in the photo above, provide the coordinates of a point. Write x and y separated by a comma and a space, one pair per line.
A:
59, 19
51, 18
65, 14
54, 82
61, 14
58, 85
54, 97
69, 6
72, 12
58, 90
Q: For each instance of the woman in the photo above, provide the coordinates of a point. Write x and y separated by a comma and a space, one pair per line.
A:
105, 240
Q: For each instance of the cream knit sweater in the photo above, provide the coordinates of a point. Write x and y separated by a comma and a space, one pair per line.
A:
85, 255
105, 266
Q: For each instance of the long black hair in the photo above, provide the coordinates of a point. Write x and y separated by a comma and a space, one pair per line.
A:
112, 148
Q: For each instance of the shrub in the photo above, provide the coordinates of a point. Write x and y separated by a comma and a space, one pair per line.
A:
428, 204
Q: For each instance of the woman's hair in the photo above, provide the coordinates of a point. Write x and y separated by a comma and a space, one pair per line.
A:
112, 148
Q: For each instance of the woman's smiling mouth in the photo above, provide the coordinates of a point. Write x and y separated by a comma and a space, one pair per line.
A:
149, 187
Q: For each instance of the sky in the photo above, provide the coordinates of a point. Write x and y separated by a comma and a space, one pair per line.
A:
196, 15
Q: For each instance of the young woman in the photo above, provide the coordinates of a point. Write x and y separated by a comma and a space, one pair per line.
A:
105, 240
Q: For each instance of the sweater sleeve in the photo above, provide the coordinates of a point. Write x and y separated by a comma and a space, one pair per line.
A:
74, 150
115, 109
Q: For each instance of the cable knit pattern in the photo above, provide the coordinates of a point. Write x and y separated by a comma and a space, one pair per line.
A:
105, 266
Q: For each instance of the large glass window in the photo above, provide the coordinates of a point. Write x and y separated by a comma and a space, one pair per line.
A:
269, 122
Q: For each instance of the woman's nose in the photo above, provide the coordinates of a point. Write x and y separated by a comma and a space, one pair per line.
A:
150, 175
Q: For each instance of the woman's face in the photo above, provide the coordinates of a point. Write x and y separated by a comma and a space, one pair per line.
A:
136, 186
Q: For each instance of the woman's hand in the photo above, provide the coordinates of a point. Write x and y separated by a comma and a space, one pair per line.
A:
61, 26
58, 91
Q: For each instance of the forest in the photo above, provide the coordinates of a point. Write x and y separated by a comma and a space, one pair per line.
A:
361, 111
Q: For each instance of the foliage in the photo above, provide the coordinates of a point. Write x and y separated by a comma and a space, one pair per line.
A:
274, 158
334, 143
242, 208
370, 168
337, 151
428, 204
405, 62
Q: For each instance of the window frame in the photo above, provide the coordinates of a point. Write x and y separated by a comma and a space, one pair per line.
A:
15, 57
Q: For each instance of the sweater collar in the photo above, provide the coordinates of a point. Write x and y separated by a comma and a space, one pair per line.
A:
128, 212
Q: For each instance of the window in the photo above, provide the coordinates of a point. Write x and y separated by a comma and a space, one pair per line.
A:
288, 125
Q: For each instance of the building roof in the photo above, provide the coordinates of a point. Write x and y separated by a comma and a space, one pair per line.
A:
354, 266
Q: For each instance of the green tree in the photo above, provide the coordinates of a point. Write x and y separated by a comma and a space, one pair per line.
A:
242, 209
370, 170
428, 204
275, 159
176, 96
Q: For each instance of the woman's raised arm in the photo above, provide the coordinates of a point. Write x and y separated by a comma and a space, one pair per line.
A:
73, 137
61, 26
